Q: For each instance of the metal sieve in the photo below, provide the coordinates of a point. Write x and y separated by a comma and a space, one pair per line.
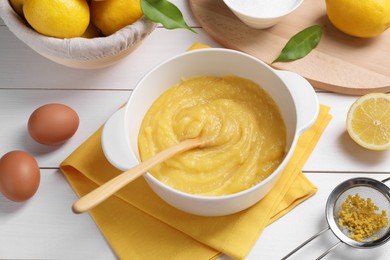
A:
376, 190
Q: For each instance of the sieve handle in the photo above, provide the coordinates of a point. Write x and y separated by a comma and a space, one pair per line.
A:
385, 180
305, 243
329, 250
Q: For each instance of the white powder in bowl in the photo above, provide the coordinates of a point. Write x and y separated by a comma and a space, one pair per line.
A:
262, 8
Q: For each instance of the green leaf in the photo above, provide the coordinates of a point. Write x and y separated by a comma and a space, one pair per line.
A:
164, 12
301, 44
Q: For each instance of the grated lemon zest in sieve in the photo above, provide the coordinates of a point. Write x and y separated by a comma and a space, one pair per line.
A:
360, 217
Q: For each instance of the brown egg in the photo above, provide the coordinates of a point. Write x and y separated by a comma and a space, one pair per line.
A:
19, 175
53, 124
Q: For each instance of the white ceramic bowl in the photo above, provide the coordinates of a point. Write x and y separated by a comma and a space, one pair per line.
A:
78, 52
262, 14
293, 94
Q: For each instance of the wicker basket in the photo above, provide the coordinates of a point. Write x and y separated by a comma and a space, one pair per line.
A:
78, 52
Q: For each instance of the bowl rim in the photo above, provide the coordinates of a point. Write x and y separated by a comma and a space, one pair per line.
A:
242, 193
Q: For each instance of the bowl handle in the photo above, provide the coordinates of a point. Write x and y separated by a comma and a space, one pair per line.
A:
114, 142
305, 99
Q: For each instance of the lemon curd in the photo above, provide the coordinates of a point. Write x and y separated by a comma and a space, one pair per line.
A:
242, 126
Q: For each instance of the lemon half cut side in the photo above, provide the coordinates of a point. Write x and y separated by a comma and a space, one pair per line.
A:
368, 121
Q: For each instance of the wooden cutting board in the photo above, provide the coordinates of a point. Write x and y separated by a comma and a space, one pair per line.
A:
340, 63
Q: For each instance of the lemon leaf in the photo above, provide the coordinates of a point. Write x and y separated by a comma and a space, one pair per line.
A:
300, 44
164, 12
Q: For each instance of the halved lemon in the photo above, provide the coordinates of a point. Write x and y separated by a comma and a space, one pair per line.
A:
368, 121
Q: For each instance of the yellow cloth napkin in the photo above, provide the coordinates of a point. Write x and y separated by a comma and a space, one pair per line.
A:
139, 225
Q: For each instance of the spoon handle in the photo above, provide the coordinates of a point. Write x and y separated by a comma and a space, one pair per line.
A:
101, 193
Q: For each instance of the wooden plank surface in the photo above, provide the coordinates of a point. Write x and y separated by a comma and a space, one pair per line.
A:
340, 63
45, 228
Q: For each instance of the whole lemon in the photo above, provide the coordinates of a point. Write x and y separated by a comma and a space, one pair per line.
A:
91, 31
111, 15
360, 18
57, 18
17, 5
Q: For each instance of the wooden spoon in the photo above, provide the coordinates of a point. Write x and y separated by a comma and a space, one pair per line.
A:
107, 189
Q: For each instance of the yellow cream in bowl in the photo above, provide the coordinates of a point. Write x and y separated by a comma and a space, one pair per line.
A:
241, 124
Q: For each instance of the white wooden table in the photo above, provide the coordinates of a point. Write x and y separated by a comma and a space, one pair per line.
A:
45, 228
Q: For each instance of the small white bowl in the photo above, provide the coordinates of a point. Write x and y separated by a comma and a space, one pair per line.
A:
262, 14
293, 94
78, 52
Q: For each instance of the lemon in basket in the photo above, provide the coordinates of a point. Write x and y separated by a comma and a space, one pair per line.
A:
368, 121
57, 18
17, 5
360, 18
111, 15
